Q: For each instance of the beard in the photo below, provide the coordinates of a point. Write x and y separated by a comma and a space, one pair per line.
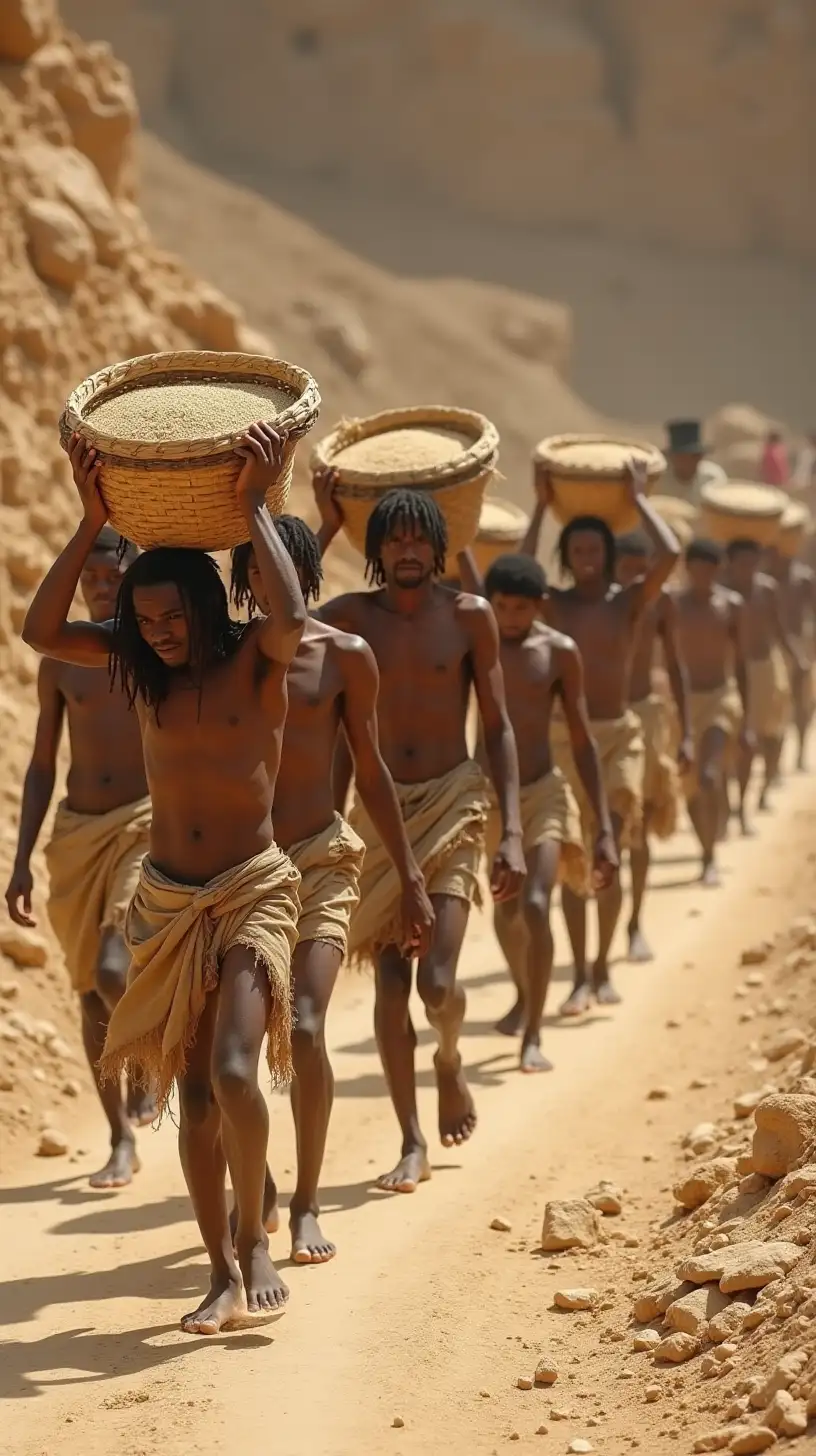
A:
411, 577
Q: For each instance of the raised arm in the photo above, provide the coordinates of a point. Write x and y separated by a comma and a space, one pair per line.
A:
678, 677
509, 867
585, 755
38, 787
543, 499
46, 627
324, 485
469, 573
376, 790
279, 634
667, 547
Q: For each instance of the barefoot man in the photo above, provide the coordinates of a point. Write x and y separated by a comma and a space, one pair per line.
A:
213, 922
333, 683
603, 619
797, 598
540, 666
101, 833
710, 630
770, 678
431, 645
661, 779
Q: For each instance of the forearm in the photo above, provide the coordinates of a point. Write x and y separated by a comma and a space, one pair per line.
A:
38, 788
589, 772
741, 674
502, 758
286, 607
342, 770
529, 546
660, 534
325, 536
678, 680
51, 604
376, 791
469, 573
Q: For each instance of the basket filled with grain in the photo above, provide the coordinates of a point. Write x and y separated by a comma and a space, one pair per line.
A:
589, 475
741, 510
166, 428
502, 528
451, 453
795, 526
680, 515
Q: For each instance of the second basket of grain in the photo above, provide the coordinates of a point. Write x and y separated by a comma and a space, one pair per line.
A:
166, 427
451, 453
589, 474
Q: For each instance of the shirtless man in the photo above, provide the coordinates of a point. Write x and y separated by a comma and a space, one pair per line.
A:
796, 583
711, 636
661, 786
333, 683
214, 918
540, 666
94, 855
603, 619
431, 645
768, 645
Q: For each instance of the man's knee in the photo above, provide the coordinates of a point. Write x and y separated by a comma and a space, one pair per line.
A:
308, 1035
235, 1080
435, 984
536, 909
196, 1099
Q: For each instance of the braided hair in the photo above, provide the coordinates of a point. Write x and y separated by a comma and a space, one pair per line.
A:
415, 509
214, 637
303, 547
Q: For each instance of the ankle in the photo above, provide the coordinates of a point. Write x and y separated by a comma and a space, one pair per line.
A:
299, 1206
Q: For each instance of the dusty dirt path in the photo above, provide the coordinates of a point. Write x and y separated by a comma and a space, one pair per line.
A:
424, 1307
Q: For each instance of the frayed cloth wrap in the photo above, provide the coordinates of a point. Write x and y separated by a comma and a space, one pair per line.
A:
661, 778
621, 756
549, 812
330, 864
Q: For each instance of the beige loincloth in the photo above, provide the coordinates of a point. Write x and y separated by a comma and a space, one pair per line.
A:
177, 935
620, 753
719, 708
93, 868
330, 864
769, 696
445, 824
548, 812
661, 778
803, 644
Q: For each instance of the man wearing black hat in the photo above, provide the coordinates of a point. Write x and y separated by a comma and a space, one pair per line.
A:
688, 469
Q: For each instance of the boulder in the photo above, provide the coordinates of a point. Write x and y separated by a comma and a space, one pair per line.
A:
606, 1197
692, 1313
785, 1126
728, 1323
575, 1299
569, 1224
758, 1438
677, 1348
785, 1044
749, 1265
697, 1188
52, 1144
61, 244
23, 946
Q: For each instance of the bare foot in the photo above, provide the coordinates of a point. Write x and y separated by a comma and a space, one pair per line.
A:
457, 1114
308, 1243
120, 1167
639, 949
710, 876
221, 1308
605, 993
271, 1212
266, 1293
411, 1170
141, 1105
511, 1024
533, 1059
578, 1002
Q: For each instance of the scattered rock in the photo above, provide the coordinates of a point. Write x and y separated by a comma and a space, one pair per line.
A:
748, 1102
524, 1382
692, 1313
786, 1414
9, 990
23, 946
760, 1438
569, 1224
397, 1423
52, 1144
546, 1372
716, 1440
652, 1393
677, 1348
580, 1447
756, 955
656, 1301
501, 1225
785, 1125
702, 1137
645, 1340
659, 1094
748, 1265
607, 1197
784, 1373
728, 1322
697, 1188
785, 1043
699, 1084
576, 1299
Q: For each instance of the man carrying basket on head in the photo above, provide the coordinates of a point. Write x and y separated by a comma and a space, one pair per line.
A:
214, 919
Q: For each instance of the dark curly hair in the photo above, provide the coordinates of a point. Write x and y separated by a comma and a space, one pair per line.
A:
514, 575
303, 547
701, 549
416, 509
214, 637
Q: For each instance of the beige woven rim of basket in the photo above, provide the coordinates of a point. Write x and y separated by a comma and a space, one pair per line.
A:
673, 509
458, 485
495, 537
740, 509
182, 492
590, 487
796, 524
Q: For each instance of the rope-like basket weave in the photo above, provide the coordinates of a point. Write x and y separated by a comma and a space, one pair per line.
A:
589, 476
457, 484
502, 528
738, 509
796, 524
182, 492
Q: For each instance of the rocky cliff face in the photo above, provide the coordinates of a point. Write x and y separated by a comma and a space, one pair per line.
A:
688, 123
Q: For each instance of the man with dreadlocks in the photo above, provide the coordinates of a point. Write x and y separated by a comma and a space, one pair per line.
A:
213, 921
431, 645
332, 682
100, 836
603, 619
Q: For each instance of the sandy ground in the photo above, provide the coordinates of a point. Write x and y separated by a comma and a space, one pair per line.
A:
424, 1307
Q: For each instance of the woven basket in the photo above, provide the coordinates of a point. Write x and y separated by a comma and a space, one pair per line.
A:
182, 492
589, 476
502, 528
794, 528
738, 509
453, 455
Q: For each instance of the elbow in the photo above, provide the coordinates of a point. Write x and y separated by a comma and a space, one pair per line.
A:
33, 638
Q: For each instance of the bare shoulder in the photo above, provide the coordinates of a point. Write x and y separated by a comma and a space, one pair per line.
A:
348, 612
560, 642
348, 649
473, 614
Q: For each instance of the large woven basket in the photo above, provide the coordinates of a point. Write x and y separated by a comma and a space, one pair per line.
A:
181, 492
451, 453
740, 509
794, 527
589, 476
681, 515
502, 528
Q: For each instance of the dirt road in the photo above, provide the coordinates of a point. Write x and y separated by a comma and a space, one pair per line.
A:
425, 1307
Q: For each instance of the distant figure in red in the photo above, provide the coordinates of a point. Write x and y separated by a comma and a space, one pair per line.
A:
775, 462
